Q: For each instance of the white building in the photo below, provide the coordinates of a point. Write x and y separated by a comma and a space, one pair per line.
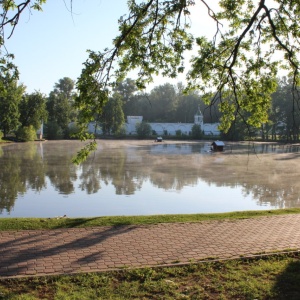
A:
171, 128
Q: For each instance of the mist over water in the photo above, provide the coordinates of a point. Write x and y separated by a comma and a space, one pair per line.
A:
145, 178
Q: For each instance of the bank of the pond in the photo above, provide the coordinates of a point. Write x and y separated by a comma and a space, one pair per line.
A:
65, 222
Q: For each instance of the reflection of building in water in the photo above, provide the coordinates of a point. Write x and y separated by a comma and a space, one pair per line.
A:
171, 128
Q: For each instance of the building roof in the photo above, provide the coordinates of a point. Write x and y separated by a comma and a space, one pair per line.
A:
199, 113
218, 143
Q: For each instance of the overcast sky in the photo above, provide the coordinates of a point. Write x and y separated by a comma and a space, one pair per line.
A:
52, 44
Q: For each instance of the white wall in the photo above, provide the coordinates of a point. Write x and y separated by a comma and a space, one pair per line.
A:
171, 128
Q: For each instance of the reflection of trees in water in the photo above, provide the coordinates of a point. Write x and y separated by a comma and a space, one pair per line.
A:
277, 196
32, 168
61, 171
268, 178
19, 172
110, 166
127, 169
89, 178
174, 172
10, 182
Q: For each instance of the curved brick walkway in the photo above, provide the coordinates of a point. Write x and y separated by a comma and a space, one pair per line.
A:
65, 251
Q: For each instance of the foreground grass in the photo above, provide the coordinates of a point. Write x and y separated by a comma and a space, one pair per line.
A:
272, 277
54, 223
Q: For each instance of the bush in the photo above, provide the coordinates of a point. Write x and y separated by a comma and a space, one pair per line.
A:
1, 135
26, 134
196, 132
178, 133
143, 129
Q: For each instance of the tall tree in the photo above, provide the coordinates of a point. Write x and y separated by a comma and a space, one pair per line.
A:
133, 107
163, 102
112, 117
187, 106
10, 98
33, 110
285, 117
60, 104
126, 89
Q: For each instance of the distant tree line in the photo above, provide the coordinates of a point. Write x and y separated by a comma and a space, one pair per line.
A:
22, 114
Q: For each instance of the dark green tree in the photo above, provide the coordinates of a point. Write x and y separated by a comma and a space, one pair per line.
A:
133, 107
126, 89
10, 98
33, 110
60, 107
112, 117
163, 103
187, 106
240, 131
285, 116
197, 132
143, 129
128, 92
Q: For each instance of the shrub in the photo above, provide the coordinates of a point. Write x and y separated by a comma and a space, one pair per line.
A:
1, 135
26, 134
178, 133
196, 132
143, 129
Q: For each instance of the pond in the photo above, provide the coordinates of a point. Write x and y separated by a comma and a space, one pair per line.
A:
146, 178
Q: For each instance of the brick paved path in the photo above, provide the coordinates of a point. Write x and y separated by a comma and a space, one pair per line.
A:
64, 251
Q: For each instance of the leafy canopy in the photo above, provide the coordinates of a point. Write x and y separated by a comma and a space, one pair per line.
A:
237, 67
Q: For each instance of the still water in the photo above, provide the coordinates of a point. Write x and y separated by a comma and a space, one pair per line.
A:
146, 178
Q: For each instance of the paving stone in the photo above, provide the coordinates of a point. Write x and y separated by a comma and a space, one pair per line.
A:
66, 251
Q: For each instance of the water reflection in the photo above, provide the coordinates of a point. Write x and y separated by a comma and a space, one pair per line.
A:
266, 173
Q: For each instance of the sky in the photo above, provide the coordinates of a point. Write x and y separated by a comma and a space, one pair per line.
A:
53, 44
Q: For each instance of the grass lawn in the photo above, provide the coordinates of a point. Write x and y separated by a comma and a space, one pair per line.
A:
5, 141
276, 276
55, 223
272, 277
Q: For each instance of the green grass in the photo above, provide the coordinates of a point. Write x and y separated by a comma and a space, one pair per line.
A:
54, 223
5, 141
275, 276
271, 277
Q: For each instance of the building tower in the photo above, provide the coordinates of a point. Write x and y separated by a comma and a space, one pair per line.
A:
198, 118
